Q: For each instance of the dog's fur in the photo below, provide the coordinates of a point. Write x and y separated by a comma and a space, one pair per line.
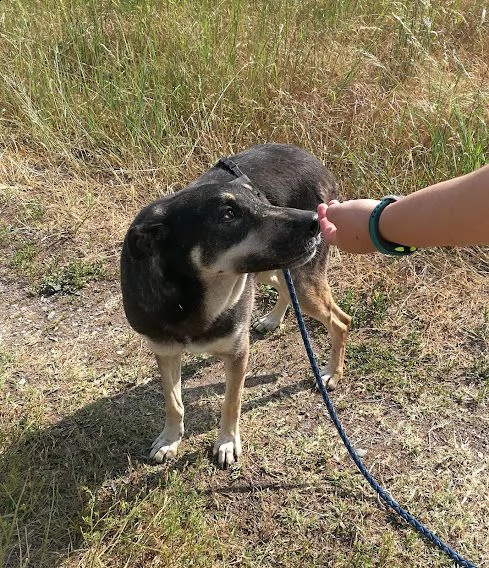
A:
188, 270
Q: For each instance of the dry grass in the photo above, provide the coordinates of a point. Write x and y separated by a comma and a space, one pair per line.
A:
105, 105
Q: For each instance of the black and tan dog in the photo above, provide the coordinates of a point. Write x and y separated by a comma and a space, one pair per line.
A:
189, 265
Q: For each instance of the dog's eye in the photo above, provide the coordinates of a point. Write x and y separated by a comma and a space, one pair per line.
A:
227, 214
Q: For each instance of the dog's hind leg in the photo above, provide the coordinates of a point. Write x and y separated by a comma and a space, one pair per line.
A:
227, 448
274, 319
315, 299
166, 444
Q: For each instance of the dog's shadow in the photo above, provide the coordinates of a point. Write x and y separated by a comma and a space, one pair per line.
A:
47, 476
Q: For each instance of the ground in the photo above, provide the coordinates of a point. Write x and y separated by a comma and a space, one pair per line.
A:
81, 403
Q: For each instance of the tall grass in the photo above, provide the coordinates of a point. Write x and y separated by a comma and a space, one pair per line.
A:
377, 88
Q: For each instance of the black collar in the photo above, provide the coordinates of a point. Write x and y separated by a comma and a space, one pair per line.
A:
229, 165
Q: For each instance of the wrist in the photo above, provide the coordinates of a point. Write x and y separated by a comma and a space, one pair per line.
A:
386, 223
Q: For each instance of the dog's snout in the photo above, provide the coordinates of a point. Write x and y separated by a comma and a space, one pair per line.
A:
314, 228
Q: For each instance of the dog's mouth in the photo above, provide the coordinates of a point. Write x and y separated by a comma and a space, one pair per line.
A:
286, 255
307, 254
314, 242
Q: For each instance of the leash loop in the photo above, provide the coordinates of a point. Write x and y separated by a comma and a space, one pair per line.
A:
417, 525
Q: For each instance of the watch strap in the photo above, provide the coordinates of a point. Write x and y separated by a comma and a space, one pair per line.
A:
381, 244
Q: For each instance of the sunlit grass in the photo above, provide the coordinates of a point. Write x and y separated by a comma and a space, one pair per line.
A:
384, 87
105, 104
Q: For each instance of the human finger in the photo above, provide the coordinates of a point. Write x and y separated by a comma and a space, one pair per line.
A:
328, 230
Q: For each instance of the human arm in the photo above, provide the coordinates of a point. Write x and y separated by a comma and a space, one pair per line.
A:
451, 213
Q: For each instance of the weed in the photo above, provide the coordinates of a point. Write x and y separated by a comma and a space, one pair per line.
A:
6, 360
4, 234
372, 358
480, 334
268, 292
72, 277
368, 309
164, 523
23, 257
478, 371
33, 211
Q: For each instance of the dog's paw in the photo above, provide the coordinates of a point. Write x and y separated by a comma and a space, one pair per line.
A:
164, 447
330, 381
266, 324
227, 450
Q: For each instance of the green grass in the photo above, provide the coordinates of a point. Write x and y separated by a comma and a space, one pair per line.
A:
106, 104
72, 277
24, 256
123, 82
6, 363
145, 524
367, 308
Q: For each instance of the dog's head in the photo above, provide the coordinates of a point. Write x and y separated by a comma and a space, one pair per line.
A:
222, 228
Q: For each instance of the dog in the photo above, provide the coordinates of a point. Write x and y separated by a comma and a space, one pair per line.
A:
189, 264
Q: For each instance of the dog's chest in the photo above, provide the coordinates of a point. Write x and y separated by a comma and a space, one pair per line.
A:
224, 318
222, 293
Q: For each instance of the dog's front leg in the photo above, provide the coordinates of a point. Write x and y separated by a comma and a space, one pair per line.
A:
166, 444
227, 448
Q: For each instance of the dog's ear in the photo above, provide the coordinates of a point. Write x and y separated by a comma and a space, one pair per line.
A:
141, 239
241, 180
246, 182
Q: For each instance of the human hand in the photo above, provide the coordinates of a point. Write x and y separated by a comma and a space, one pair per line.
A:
346, 224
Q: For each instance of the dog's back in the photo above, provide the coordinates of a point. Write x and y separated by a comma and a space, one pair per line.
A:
287, 175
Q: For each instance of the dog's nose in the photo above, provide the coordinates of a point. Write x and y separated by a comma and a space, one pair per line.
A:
314, 228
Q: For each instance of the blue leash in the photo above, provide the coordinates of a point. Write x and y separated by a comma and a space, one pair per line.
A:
459, 560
